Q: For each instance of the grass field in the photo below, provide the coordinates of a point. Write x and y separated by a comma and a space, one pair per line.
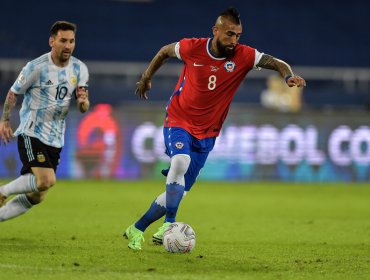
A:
244, 231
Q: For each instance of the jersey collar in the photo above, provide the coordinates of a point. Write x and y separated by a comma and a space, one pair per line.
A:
209, 43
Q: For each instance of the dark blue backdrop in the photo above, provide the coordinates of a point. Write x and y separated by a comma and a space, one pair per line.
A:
311, 33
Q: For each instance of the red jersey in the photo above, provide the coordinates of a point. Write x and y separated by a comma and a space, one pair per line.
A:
206, 87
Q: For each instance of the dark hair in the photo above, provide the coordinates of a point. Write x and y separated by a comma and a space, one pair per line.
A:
232, 14
62, 25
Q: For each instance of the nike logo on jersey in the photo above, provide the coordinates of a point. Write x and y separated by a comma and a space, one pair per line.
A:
197, 65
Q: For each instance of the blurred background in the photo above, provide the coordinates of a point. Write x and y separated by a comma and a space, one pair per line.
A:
320, 133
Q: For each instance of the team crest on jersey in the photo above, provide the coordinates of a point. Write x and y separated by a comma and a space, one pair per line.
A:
40, 157
179, 145
229, 66
74, 80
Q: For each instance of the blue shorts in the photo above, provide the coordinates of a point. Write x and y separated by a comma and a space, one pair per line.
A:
179, 141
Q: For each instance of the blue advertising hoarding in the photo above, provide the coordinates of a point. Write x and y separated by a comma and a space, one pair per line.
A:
126, 143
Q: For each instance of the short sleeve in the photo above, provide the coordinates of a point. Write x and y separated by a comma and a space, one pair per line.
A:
257, 57
83, 80
177, 50
25, 79
185, 48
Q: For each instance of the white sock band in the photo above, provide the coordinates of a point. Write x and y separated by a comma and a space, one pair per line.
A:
23, 184
179, 165
15, 207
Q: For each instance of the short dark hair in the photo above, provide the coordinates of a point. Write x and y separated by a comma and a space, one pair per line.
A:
62, 25
232, 14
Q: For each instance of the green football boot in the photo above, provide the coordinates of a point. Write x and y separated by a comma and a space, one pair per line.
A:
135, 237
158, 236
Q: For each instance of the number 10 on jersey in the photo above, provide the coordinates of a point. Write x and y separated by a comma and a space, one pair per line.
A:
61, 93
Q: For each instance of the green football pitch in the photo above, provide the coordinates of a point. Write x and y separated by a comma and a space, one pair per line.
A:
244, 231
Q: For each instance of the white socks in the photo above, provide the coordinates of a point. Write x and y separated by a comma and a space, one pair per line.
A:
19, 204
15, 207
23, 184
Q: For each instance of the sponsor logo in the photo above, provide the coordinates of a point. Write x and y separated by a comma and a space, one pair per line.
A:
197, 65
179, 145
229, 66
214, 68
49, 83
41, 158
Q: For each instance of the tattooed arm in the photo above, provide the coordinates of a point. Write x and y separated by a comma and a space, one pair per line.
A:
6, 132
272, 63
144, 84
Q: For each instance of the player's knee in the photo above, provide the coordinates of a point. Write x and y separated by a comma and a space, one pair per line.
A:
45, 182
180, 164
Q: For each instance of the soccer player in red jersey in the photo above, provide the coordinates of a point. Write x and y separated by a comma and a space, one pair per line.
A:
213, 70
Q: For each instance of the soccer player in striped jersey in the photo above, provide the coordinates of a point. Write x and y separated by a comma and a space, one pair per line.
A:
213, 70
49, 84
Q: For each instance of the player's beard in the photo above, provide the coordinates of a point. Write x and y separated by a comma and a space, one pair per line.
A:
64, 56
225, 50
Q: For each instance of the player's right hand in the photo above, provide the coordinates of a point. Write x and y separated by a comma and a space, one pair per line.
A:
6, 132
142, 87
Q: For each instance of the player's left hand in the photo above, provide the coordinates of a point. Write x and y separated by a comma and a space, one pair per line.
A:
296, 81
82, 94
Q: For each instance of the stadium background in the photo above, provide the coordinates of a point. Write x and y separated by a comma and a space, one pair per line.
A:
325, 41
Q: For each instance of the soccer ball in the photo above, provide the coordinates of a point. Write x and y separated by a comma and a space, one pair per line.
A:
179, 238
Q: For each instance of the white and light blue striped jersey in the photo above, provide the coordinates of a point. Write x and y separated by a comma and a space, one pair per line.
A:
48, 91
